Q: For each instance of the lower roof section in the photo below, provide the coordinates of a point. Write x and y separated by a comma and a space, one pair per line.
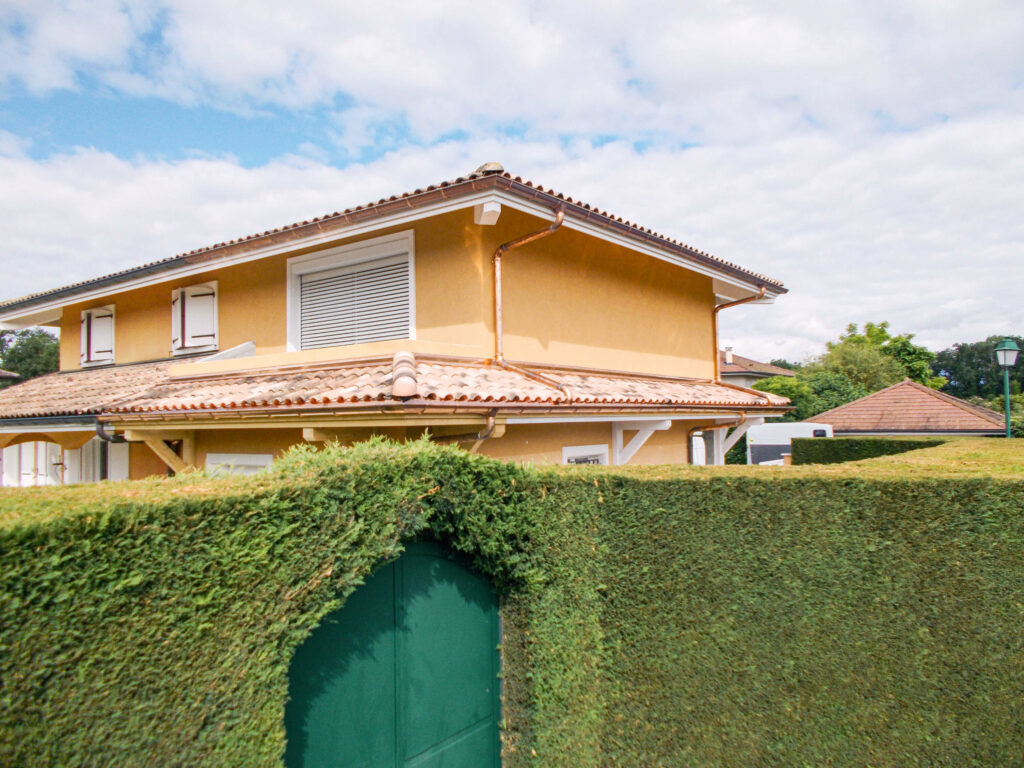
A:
403, 387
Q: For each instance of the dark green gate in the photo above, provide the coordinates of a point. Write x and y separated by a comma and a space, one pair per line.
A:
404, 675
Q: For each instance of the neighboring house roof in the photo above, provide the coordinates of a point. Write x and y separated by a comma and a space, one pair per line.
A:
748, 367
148, 389
490, 177
911, 407
8, 374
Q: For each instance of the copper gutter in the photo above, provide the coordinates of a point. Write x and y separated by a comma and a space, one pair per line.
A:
538, 377
714, 320
499, 355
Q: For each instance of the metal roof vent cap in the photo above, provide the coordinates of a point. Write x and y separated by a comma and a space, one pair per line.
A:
491, 167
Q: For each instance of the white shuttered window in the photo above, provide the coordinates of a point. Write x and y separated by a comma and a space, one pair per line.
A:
194, 318
97, 336
353, 294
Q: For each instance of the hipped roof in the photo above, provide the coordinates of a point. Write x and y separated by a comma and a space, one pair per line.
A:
911, 407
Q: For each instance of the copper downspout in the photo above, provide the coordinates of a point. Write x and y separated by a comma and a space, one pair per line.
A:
499, 355
714, 317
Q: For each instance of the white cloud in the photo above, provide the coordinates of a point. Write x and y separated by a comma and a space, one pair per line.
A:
703, 71
871, 154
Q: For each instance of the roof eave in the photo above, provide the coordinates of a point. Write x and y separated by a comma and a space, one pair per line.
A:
44, 308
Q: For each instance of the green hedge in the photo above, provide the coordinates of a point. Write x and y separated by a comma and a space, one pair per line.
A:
836, 450
663, 618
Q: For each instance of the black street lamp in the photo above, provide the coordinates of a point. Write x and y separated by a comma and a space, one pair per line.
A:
1006, 355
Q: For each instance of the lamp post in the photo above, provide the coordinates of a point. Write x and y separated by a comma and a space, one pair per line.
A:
1006, 356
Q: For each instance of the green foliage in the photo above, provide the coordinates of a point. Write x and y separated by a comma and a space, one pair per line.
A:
837, 450
812, 391
780, 362
697, 617
972, 370
998, 404
29, 353
863, 364
913, 361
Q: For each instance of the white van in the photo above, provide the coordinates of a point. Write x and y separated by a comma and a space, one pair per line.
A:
766, 443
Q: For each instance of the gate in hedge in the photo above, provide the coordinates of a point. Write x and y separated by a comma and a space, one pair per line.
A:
404, 674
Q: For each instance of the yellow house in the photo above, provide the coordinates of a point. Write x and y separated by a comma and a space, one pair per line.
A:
487, 311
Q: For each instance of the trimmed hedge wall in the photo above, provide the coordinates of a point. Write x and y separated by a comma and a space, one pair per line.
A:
836, 450
699, 618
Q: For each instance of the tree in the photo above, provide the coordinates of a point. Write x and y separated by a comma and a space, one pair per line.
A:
813, 391
862, 364
781, 362
972, 369
29, 353
914, 361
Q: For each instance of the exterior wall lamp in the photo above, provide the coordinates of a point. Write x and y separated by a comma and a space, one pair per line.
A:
1006, 355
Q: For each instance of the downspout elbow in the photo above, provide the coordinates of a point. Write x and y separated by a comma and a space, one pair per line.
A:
107, 438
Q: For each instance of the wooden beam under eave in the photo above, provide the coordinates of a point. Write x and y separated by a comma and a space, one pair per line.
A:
166, 454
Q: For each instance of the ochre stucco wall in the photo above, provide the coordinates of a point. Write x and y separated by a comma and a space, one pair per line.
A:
569, 299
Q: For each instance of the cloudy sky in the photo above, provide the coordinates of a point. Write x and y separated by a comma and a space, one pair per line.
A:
869, 154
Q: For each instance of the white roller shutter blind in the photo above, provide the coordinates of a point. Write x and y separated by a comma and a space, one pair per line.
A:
355, 304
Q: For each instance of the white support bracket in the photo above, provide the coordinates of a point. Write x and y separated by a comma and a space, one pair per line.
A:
621, 454
734, 436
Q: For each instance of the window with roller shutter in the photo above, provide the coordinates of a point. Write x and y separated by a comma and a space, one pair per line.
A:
194, 318
353, 295
97, 336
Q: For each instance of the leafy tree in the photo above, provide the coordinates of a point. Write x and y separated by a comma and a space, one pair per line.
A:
29, 353
781, 362
914, 361
863, 364
813, 391
972, 369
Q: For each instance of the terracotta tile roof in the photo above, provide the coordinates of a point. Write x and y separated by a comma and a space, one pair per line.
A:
78, 392
148, 389
911, 407
742, 364
483, 179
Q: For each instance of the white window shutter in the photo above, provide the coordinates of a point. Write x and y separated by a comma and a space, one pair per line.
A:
97, 332
355, 304
176, 307
84, 338
200, 316
117, 461
102, 336
11, 466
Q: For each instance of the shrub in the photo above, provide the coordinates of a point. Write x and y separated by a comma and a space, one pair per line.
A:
836, 450
704, 617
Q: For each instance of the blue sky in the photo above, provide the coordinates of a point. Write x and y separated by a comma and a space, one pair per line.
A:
869, 155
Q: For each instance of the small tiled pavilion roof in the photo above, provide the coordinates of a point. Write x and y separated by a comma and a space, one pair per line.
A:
8, 374
909, 407
140, 390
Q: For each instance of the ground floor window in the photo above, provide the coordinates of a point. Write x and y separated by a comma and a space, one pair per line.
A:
238, 463
585, 454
